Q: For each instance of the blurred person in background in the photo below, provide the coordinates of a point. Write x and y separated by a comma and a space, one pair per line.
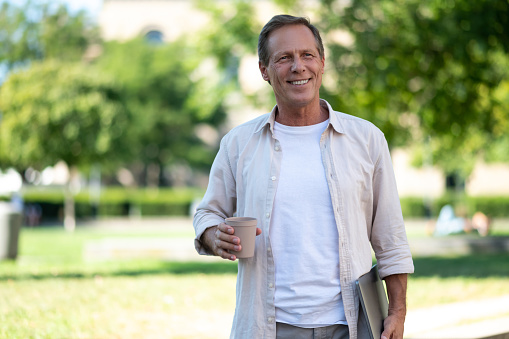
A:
322, 188
449, 222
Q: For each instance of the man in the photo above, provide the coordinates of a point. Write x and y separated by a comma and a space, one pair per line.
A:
322, 187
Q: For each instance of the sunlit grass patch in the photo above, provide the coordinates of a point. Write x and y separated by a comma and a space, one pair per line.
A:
52, 292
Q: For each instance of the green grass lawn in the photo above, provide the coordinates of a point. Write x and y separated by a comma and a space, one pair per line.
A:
51, 292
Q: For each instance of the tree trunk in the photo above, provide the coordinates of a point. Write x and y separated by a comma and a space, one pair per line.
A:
69, 211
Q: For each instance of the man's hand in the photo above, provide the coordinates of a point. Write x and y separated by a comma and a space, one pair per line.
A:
395, 321
393, 327
220, 239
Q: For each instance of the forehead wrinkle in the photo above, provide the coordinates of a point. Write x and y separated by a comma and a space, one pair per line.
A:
276, 50
294, 51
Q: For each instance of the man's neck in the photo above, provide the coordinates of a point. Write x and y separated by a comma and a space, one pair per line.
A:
301, 116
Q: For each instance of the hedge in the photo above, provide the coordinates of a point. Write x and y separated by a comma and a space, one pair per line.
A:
494, 207
116, 201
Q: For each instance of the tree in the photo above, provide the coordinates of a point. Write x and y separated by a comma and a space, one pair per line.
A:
169, 98
422, 71
63, 111
230, 35
36, 31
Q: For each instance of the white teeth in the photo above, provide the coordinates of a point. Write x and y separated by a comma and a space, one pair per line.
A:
301, 82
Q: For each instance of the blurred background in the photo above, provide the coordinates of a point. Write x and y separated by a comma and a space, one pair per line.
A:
111, 113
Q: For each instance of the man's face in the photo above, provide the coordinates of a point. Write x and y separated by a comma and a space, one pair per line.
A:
295, 67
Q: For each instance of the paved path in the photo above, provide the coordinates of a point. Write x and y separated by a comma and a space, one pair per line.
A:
178, 248
487, 318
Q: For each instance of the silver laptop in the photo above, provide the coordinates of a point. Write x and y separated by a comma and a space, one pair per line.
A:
374, 302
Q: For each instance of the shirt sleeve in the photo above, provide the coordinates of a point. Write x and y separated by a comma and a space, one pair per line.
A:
220, 198
388, 235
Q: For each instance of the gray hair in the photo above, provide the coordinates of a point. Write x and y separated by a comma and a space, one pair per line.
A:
279, 21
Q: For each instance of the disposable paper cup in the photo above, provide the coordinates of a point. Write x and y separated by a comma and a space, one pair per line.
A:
245, 229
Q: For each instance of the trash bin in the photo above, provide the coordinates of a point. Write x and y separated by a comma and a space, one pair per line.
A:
10, 225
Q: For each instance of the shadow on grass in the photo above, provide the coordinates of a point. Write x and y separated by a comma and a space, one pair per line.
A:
473, 265
126, 270
468, 266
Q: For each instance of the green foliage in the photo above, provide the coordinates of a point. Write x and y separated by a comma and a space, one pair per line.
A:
35, 31
62, 111
493, 207
414, 207
65, 36
232, 34
288, 6
167, 98
58, 110
51, 107
174, 201
437, 69
117, 201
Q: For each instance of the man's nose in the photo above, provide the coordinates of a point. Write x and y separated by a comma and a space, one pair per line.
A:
297, 65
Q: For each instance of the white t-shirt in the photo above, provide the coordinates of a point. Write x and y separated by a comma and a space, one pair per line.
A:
303, 234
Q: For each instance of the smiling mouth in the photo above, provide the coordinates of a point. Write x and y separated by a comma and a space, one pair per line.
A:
299, 82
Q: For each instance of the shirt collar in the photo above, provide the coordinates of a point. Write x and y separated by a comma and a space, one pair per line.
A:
333, 119
269, 122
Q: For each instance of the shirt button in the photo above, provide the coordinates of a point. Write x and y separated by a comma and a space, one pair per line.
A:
267, 215
271, 320
271, 285
273, 178
276, 148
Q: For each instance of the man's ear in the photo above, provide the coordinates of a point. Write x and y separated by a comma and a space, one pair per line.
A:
263, 71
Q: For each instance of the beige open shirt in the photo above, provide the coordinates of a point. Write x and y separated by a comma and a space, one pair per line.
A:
244, 178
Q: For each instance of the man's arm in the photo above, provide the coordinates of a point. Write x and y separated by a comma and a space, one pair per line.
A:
218, 203
394, 323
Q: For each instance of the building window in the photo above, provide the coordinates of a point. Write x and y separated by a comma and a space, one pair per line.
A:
154, 37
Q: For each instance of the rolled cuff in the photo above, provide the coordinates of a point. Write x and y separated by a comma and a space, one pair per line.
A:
201, 224
400, 263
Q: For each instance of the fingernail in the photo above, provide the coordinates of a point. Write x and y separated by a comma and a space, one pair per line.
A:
230, 230
232, 257
236, 248
236, 240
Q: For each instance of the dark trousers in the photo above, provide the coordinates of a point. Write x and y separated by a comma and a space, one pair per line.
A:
285, 331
